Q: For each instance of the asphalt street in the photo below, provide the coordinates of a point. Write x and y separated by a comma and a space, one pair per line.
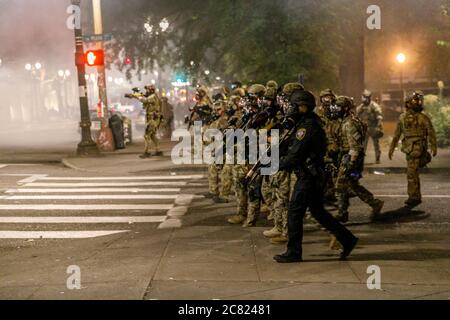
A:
139, 229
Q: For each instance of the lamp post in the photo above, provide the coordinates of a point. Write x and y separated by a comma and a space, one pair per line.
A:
401, 59
87, 146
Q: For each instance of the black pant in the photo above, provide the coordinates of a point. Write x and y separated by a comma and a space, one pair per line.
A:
308, 193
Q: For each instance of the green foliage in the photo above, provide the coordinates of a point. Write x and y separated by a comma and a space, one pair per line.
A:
252, 41
440, 113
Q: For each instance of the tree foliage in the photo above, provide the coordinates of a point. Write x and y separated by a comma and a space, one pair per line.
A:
252, 41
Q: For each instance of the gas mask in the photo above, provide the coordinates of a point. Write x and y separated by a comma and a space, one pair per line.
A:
327, 101
335, 112
366, 100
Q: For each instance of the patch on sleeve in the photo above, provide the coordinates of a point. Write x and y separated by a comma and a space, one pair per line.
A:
301, 133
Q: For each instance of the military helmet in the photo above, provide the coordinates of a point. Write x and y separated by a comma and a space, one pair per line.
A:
203, 90
327, 92
272, 84
344, 102
290, 87
239, 92
150, 87
257, 90
271, 93
367, 93
301, 97
219, 97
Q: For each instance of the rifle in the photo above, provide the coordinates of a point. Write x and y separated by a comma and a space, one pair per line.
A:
202, 112
255, 170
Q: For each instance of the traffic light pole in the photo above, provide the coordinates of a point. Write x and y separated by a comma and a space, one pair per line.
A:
107, 143
87, 146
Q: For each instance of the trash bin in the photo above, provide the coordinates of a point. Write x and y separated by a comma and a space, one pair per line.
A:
116, 125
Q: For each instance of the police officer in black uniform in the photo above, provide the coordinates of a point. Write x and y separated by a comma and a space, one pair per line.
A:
305, 154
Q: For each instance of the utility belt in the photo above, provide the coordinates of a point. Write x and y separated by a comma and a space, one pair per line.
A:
310, 169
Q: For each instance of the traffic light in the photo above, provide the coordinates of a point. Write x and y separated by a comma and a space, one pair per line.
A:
94, 58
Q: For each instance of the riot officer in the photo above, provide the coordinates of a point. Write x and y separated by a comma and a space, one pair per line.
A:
352, 161
331, 124
418, 136
305, 156
202, 109
153, 119
215, 170
372, 116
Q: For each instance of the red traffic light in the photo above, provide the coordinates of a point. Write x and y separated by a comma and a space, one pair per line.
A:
94, 58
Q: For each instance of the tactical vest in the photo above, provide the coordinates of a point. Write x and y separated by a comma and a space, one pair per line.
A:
360, 127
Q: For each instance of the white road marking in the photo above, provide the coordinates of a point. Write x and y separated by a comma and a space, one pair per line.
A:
90, 190
86, 207
106, 184
84, 220
191, 177
32, 178
95, 197
3, 166
57, 234
433, 196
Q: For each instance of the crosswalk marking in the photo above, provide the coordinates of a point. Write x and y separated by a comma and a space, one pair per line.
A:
57, 234
432, 196
96, 197
41, 193
86, 207
191, 177
83, 220
106, 184
90, 190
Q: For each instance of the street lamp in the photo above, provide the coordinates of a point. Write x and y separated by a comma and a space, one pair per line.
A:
207, 72
401, 59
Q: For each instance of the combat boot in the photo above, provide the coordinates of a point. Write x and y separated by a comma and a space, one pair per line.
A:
217, 199
342, 217
145, 155
158, 154
376, 209
237, 219
287, 258
272, 233
411, 203
279, 240
249, 223
208, 195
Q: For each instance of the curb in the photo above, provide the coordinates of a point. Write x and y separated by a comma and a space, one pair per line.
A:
65, 162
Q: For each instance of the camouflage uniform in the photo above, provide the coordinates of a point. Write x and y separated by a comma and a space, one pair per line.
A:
351, 145
372, 116
254, 188
153, 120
215, 170
239, 171
418, 136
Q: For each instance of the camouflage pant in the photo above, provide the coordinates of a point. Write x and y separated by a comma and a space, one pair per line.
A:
345, 185
214, 178
254, 199
281, 184
268, 193
150, 138
239, 173
412, 173
226, 180
376, 146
